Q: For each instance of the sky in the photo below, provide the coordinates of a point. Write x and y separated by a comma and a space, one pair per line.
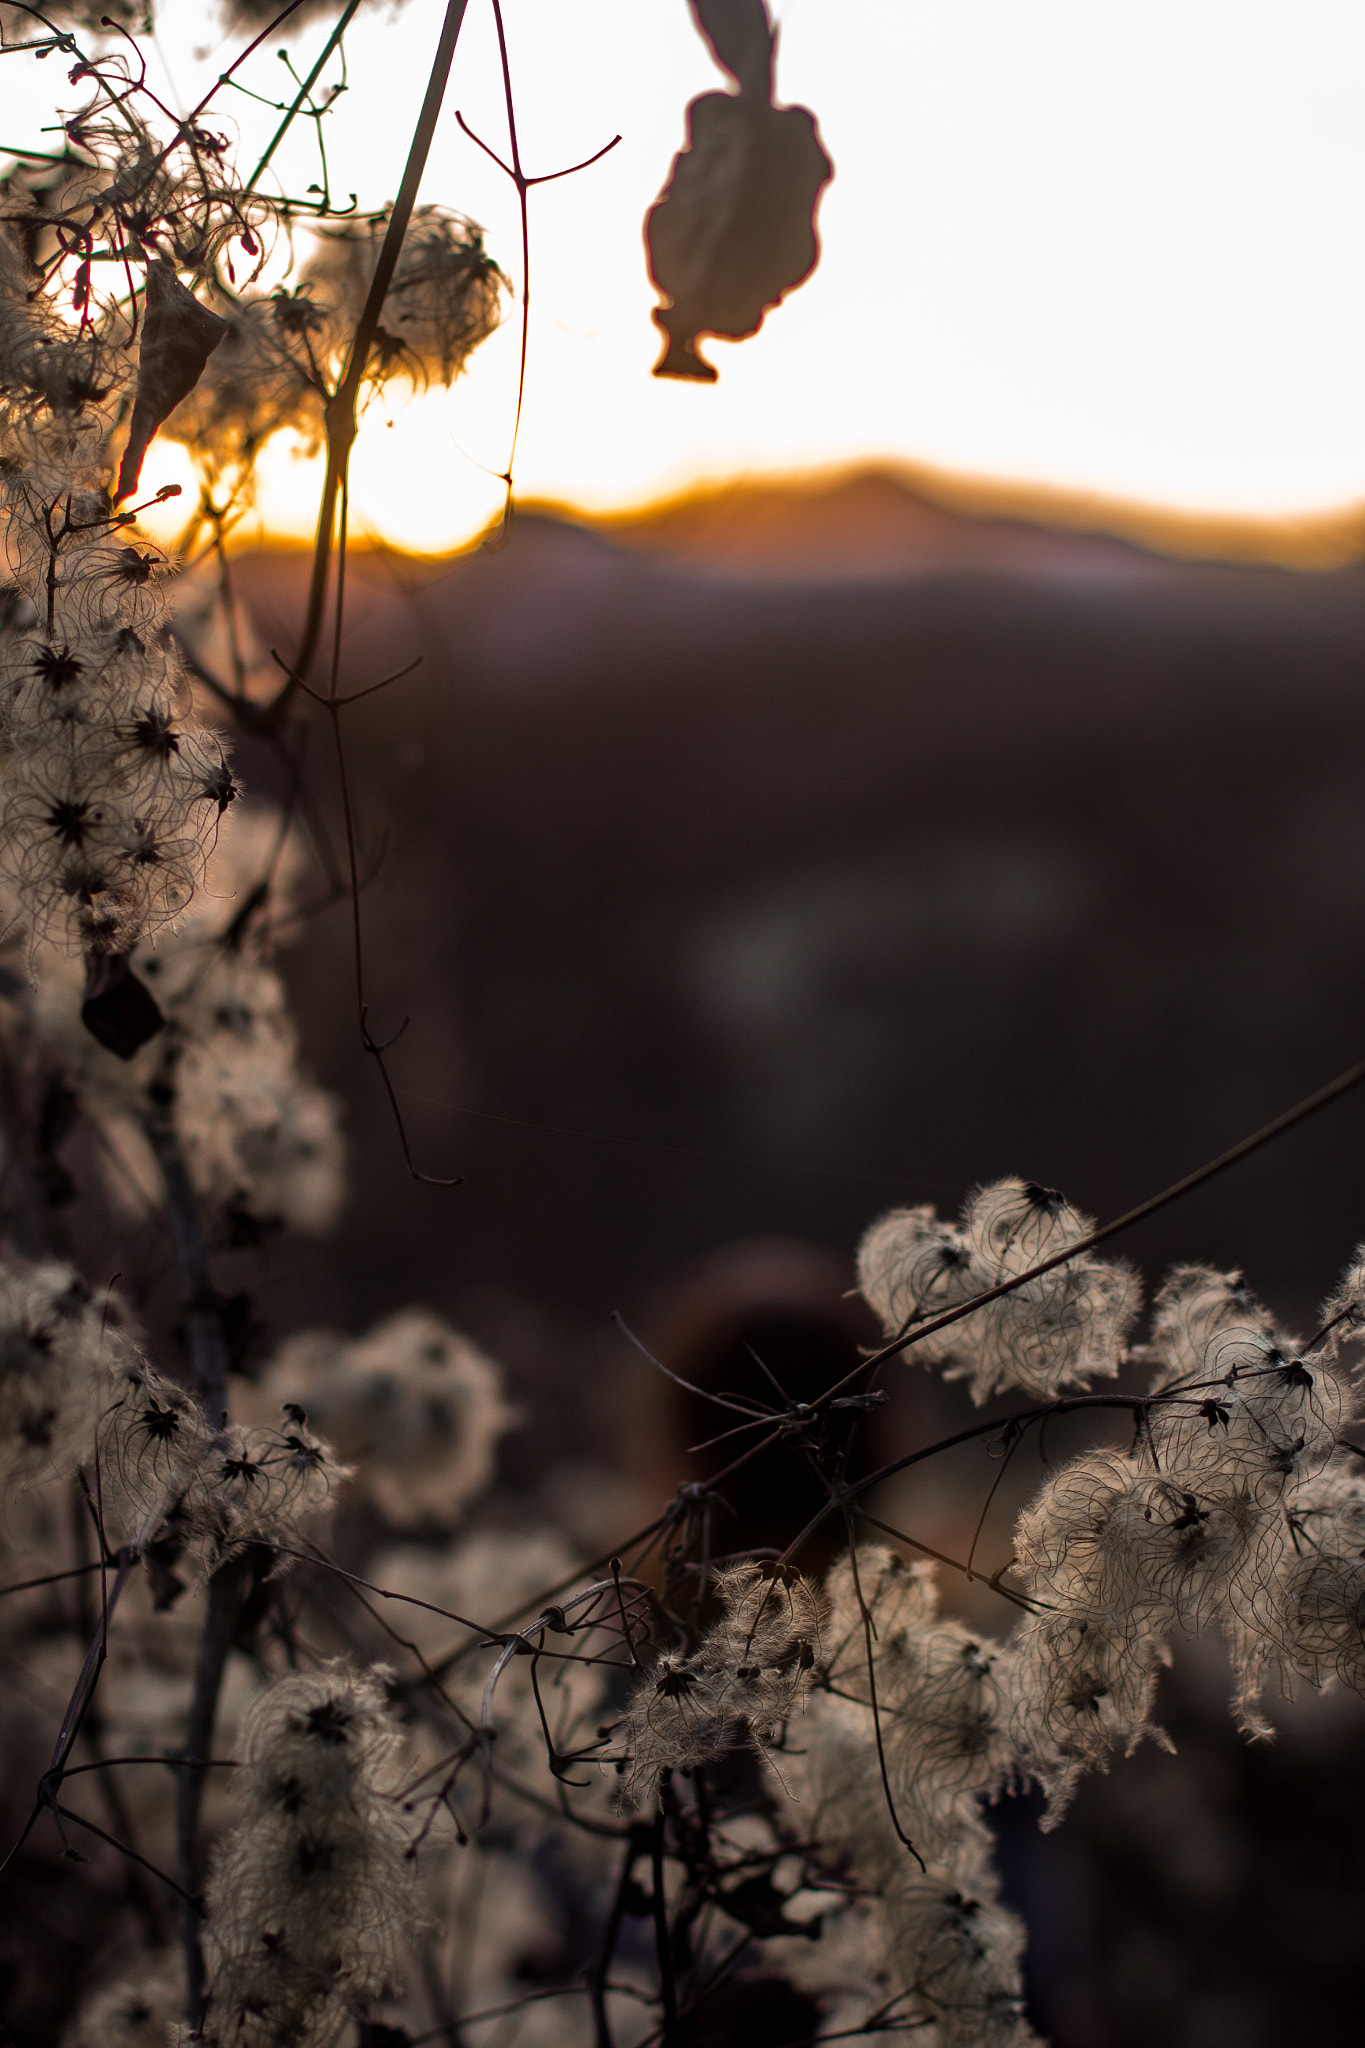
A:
1108, 248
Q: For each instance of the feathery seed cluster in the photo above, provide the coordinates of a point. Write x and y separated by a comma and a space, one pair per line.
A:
223, 1488
110, 794
311, 1895
259, 1139
58, 1351
1061, 1330
1198, 1523
414, 1404
749, 1673
945, 1951
283, 352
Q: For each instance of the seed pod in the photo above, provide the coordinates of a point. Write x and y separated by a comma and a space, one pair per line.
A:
178, 337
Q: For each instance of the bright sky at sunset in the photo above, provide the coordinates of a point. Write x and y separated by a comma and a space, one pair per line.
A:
1108, 247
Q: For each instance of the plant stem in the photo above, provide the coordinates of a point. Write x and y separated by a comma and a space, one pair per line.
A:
225, 1590
209, 1364
662, 1941
203, 1311
309, 82
341, 407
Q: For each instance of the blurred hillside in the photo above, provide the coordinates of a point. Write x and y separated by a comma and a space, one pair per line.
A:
752, 868
774, 857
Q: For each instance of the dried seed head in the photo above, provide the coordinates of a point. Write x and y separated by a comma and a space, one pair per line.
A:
311, 1894
418, 1407
1061, 1330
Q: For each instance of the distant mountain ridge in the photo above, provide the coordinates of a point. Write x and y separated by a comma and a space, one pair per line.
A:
875, 520
565, 596
873, 523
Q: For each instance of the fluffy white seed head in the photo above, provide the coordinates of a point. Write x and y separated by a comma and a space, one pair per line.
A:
911, 1267
947, 1952
60, 1349
945, 1712
260, 1140
1081, 1693
954, 1957
1061, 1330
1313, 1623
416, 1406
1343, 1313
154, 1441
140, 2008
161, 1458
1258, 1408
1111, 1540
1196, 1304
111, 794
311, 1893
749, 1673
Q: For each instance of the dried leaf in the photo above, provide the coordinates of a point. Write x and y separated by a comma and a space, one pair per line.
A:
733, 230
178, 337
119, 1009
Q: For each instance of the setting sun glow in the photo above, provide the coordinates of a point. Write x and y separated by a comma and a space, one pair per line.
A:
1107, 250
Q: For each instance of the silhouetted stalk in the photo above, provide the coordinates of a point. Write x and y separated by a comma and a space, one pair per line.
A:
204, 1334
209, 1365
340, 415
225, 1588
332, 43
